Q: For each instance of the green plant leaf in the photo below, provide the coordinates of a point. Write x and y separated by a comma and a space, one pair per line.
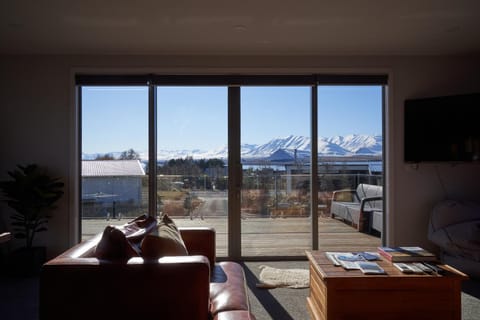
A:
31, 192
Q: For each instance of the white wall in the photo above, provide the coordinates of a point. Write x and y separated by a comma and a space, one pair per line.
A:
37, 113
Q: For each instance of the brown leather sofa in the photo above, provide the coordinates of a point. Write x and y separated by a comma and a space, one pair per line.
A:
77, 285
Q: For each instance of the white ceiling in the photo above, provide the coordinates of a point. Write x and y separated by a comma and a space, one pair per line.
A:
261, 27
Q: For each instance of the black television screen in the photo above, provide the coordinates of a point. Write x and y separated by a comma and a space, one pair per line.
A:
443, 129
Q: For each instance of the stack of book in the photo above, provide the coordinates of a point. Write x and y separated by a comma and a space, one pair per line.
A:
406, 254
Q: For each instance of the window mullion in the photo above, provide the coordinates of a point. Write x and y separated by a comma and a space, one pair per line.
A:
152, 150
234, 174
314, 167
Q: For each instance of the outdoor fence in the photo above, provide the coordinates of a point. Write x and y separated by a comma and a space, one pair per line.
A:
265, 193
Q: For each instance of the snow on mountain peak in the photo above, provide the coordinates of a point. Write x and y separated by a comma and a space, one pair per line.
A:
294, 146
359, 143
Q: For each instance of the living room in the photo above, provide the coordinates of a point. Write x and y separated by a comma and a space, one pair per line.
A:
425, 51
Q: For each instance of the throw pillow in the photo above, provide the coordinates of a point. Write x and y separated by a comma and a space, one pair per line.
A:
114, 245
165, 240
136, 229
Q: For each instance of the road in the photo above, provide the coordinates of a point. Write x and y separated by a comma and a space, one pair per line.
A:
214, 204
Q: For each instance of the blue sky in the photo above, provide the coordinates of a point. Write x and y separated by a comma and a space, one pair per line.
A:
115, 119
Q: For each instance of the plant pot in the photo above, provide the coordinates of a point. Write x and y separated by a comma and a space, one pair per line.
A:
27, 261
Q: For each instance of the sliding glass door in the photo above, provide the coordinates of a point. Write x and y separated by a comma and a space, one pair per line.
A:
275, 198
350, 163
114, 148
192, 153
257, 158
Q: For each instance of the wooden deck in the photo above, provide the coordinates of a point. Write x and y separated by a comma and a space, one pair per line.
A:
269, 237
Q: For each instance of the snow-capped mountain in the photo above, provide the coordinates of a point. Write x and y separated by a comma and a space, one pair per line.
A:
298, 146
277, 149
359, 143
289, 143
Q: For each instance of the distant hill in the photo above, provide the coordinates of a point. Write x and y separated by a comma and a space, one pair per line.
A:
281, 149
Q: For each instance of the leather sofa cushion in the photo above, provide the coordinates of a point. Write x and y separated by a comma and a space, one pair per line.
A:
235, 315
228, 288
165, 240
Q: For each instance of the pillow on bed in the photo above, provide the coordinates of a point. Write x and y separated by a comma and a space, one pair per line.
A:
165, 240
114, 245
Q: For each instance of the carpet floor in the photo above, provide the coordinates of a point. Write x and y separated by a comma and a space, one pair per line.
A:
278, 303
287, 304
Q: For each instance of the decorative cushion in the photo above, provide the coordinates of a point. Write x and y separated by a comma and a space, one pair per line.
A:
165, 240
123, 242
114, 245
136, 229
450, 212
460, 240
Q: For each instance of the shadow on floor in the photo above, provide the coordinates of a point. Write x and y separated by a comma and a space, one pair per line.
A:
472, 287
277, 303
271, 305
18, 298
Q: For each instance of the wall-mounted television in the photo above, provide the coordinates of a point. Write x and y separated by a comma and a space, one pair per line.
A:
443, 129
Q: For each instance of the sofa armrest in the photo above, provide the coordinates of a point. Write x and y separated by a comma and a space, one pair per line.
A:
367, 200
366, 218
88, 288
200, 241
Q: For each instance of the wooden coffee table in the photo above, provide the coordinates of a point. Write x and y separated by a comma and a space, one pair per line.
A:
336, 293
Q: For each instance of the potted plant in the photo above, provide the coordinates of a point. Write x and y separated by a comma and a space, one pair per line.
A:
32, 193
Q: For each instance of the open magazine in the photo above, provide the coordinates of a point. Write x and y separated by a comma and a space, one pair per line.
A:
348, 260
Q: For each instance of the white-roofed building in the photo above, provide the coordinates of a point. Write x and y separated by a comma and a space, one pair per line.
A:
111, 186
109, 168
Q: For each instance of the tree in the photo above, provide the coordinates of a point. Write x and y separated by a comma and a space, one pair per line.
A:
130, 154
210, 163
106, 156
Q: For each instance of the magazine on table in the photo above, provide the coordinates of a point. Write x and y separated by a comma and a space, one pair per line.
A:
348, 260
369, 267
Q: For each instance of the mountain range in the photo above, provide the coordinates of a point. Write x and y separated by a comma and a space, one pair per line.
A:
279, 149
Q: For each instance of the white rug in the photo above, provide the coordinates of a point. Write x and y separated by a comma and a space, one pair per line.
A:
286, 278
